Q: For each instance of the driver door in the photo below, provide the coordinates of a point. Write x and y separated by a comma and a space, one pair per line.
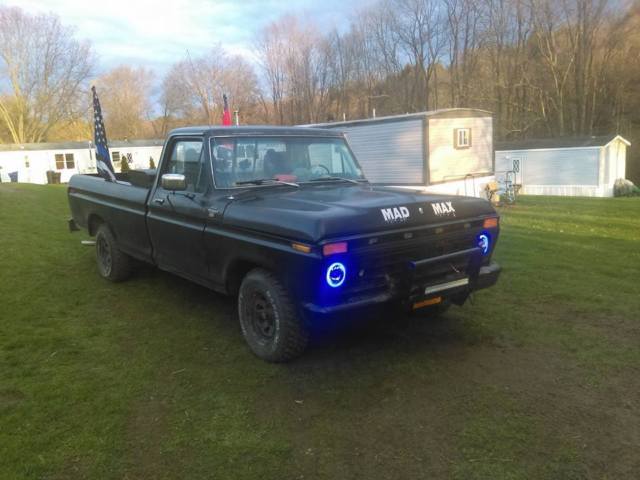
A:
176, 220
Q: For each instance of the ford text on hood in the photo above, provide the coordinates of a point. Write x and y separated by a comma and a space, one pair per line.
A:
285, 219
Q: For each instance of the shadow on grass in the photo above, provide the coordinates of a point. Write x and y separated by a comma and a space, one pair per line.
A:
375, 331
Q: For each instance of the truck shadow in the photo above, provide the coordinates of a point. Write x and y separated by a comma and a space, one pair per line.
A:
379, 332
387, 333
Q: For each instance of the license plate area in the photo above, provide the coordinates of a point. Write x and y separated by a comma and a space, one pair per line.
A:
427, 302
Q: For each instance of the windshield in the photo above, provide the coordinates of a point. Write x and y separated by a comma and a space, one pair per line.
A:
241, 160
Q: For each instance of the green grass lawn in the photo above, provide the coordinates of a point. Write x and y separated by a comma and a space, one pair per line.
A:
538, 378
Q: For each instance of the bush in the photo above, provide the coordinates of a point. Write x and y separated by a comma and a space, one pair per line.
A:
152, 164
124, 164
624, 188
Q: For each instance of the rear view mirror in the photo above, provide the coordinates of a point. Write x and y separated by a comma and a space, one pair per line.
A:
174, 182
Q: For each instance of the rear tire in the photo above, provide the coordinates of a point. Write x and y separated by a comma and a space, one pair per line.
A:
268, 318
113, 265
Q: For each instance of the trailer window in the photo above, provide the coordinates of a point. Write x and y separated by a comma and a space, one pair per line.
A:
462, 137
64, 160
59, 161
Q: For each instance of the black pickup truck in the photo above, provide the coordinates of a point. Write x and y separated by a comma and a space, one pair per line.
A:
283, 218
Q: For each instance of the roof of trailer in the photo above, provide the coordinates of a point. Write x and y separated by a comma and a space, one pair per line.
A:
441, 113
10, 147
559, 142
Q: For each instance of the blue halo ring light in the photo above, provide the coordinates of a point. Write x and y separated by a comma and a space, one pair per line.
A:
484, 243
336, 274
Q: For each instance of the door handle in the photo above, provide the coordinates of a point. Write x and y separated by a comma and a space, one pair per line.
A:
159, 201
213, 212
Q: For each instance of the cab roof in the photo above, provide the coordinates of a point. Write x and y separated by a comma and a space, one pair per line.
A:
257, 130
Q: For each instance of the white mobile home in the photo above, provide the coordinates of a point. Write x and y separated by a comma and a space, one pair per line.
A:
586, 166
446, 151
29, 162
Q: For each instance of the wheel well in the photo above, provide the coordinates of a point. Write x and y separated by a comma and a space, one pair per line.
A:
236, 272
93, 223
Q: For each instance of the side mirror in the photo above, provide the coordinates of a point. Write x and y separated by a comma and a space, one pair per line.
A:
173, 181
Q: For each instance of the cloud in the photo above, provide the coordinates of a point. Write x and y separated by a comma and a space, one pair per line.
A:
156, 34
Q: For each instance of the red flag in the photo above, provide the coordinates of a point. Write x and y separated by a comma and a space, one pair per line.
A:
226, 114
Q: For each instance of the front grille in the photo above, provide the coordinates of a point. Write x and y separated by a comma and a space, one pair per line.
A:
385, 266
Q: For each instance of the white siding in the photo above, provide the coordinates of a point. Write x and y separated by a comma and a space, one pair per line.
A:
389, 152
39, 161
561, 171
447, 163
615, 154
32, 165
470, 187
575, 166
139, 155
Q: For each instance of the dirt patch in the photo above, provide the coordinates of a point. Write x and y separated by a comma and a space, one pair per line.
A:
418, 400
10, 398
146, 429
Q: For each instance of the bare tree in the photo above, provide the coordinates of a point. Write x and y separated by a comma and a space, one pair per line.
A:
42, 72
419, 29
294, 57
193, 88
506, 53
584, 20
463, 31
125, 94
272, 50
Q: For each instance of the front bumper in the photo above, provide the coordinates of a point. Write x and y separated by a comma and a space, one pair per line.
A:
487, 276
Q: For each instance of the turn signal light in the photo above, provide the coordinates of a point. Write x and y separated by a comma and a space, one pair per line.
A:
333, 248
490, 222
301, 247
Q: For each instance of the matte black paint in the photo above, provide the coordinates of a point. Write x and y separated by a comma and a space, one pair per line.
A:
212, 237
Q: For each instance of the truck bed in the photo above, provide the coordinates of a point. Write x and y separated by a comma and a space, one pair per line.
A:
121, 204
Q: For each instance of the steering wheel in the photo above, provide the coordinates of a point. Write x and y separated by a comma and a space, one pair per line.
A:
316, 170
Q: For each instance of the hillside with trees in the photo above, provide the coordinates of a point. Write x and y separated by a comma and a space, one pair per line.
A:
544, 68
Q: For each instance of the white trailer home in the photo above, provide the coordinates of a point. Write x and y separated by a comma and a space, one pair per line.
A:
443, 151
29, 162
586, 166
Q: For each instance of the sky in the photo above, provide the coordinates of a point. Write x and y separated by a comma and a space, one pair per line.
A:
155, 34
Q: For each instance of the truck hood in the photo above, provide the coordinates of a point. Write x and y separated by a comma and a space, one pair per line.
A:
313, 213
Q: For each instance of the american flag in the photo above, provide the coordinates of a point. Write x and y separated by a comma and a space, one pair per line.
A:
100, 138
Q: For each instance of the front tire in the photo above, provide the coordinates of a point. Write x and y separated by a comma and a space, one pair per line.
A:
268, 318
113, 265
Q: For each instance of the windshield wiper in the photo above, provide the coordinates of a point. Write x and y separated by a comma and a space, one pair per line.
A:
333, 179
266, 181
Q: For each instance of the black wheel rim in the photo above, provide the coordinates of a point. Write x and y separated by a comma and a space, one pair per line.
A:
262, 316
104, 255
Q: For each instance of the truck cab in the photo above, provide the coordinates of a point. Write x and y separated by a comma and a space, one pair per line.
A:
285, 219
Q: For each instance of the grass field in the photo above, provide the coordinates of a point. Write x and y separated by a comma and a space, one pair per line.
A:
538, 378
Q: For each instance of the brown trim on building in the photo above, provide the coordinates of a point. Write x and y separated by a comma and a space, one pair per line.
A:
456, 136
